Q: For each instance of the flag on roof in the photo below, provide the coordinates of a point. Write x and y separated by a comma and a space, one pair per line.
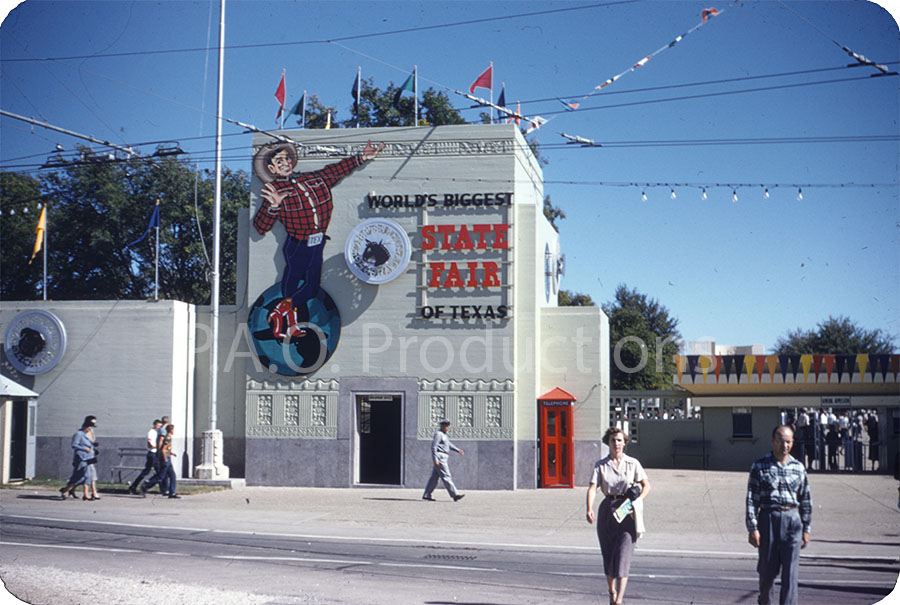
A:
485, 80
279, 96
408, 86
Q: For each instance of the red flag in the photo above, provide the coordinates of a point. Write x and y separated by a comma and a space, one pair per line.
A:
485, 80
279, 95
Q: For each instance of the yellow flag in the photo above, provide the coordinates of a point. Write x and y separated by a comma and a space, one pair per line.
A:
41, 228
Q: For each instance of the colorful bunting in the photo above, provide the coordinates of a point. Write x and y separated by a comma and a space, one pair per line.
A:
705, 17
827, 366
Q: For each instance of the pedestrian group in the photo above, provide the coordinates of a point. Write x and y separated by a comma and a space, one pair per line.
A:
778, 504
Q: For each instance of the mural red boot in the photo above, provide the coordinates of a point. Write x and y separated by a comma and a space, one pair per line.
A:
292, 319
277, 317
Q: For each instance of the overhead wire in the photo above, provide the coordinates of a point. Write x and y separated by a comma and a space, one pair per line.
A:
339, 38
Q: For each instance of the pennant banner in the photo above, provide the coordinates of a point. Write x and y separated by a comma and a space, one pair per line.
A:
154, 222
827, 366
408, 86
279, 96
39, 233
485, 80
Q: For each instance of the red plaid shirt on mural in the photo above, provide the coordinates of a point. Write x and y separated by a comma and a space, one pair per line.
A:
307, 206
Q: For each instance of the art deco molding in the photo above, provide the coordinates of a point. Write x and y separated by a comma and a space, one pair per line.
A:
406, 149
308, 385
466, 385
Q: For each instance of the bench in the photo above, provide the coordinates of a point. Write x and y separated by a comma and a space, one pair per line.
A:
126, 455
692, 448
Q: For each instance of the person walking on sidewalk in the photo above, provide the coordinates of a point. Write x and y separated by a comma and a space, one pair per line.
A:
152, 437
440, 455
165, 473
83, 459
779, 510
619, 478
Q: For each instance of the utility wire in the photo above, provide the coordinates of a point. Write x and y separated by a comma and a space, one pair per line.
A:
327, 40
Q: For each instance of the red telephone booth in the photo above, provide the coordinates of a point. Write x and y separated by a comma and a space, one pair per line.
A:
557, 438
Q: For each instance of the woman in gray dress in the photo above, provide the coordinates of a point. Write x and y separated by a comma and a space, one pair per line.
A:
614, 476
82, 457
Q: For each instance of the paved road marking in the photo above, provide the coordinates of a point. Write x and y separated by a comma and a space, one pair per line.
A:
461, 543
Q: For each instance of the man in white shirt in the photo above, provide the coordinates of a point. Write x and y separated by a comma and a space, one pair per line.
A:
152, 437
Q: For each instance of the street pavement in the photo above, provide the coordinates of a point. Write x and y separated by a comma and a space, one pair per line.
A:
688, 513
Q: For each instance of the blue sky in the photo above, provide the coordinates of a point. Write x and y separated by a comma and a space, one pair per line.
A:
735, 272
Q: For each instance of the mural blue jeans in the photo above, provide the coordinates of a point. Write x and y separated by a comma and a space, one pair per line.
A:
303, 271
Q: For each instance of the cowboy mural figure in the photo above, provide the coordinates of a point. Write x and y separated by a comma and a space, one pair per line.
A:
303, 203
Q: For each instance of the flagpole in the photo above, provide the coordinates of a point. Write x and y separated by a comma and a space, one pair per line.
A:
415, 95
46, 244
358, 78
492, 91
281, 126
212, 465
303, 116
156, 261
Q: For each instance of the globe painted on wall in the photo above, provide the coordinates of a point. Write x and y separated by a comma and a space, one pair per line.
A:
311, 343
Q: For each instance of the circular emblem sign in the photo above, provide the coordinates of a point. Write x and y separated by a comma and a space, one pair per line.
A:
377, 250
35, 342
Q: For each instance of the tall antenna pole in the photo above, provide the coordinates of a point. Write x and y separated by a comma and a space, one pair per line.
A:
217, 211
46, 245
211, 466
156, 261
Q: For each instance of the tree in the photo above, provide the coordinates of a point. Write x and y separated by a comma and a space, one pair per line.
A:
376, 108
317, 114
553, 213
644, 340
95, 209
834, 336
566, 298
20, 197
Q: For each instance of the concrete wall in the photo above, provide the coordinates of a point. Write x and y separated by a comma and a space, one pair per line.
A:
126, 362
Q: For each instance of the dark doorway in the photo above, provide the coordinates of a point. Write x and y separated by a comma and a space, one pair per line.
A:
378, 421
18, 440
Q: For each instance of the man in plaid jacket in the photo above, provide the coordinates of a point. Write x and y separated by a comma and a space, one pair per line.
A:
779, 510
303, 203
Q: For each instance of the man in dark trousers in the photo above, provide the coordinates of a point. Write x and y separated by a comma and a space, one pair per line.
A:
152, 436
440, 454
779, 510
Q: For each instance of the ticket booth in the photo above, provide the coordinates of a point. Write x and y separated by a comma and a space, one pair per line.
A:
556, 419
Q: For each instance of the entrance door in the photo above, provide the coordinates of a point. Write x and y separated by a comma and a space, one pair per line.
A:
557, 445
378, 429
18, 445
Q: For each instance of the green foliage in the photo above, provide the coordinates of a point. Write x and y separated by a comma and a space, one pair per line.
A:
553, 213
18, 279
96, 209
645, 335
376, 108
834, 336
566, 298
317, 114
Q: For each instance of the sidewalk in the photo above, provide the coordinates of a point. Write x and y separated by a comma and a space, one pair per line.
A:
854, 516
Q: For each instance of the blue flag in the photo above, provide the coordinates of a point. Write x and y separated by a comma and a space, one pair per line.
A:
154, 222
